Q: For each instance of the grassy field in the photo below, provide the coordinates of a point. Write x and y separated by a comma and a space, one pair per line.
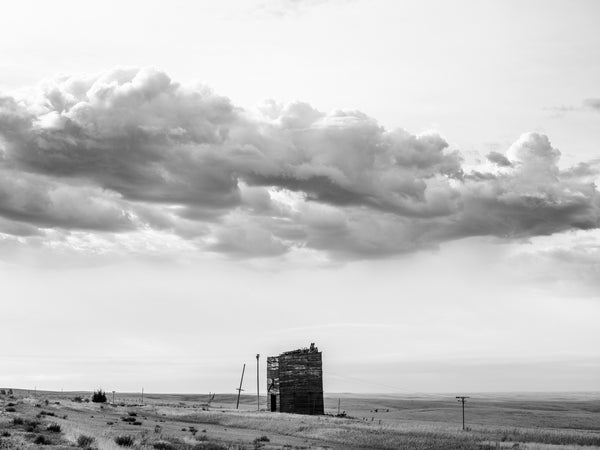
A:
186, 422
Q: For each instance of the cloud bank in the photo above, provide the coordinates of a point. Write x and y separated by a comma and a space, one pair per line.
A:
131, 149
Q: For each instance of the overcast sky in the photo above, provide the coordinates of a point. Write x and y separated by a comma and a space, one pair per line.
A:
411, 185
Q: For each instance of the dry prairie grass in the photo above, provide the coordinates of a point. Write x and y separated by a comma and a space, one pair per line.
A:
171, 423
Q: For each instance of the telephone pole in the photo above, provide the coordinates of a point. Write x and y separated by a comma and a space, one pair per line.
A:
257, 383
240, 388
461, 399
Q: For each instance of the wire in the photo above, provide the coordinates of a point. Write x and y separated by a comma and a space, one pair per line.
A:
372, 383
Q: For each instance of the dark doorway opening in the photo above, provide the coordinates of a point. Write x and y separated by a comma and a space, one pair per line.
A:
273, 402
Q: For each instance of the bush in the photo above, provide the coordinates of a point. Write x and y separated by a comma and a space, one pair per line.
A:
2, 392
132, 413
54, 428
17, 421
11, 404
10, 409
5, 434
42, 440
209, 446
31, 425
99, 396
128, 419
84, 441
124, 441
77, 399
163, 445
262, 439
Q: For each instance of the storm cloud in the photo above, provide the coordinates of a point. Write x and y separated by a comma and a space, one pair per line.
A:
132, 149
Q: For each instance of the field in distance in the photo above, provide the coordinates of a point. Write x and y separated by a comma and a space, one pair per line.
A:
62, 420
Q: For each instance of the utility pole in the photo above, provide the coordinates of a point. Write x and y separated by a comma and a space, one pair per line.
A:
142, 396
240, 388
338, 406
113, 398
257, 383
461, 399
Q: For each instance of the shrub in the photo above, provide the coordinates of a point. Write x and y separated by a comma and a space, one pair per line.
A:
128, 419
124, 441
137, 423
42, 440
47, 413
54, 428
77, 399
17, 421
84, 441
99, 396
209, 446
31, 425
2, 392
263, 439
163, 445
11, 404
10, 409
5, 434
132, 413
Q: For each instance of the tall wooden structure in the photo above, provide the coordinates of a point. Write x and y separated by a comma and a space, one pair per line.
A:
295, 382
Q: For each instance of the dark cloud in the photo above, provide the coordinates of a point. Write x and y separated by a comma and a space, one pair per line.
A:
499, 159
131, 150
36, 200
593, 103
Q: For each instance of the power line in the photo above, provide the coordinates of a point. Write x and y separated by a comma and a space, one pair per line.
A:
373, 383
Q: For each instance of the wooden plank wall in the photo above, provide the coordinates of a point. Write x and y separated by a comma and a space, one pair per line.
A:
273, 381
297, 379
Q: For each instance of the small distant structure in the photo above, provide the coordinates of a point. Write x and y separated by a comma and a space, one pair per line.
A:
295, 382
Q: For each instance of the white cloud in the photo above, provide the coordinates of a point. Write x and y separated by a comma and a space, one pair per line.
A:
132, 149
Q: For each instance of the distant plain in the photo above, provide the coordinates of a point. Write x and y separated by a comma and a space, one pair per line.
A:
188, 422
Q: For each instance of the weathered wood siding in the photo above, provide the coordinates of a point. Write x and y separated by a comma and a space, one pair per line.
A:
273, 382
296, 379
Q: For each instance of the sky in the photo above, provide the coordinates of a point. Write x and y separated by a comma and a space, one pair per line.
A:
411, 185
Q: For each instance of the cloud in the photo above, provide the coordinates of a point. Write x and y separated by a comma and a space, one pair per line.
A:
592, 103
131, 149
36, 200
499, 159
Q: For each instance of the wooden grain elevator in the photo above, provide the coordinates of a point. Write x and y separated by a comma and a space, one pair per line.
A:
295, 382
